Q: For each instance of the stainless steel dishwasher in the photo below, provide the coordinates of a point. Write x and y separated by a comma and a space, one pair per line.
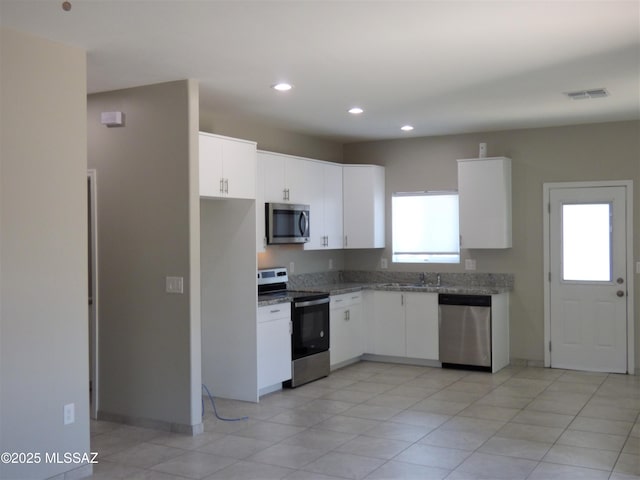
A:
465, 331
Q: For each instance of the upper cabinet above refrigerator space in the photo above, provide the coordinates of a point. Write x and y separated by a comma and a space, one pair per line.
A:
227, 167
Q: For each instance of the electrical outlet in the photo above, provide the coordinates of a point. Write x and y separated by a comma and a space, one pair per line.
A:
383, 263
331, 264
174, 284
69, 413
469, 264
292, 267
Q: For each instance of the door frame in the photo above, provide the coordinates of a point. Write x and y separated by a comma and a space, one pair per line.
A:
546, 208
92, 206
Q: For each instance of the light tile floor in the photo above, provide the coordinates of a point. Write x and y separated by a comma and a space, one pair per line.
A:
385, 421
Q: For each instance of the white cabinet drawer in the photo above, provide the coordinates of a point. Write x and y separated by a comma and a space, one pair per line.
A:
346, 299
274, 312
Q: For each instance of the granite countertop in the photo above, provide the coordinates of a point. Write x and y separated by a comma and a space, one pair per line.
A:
340, 288
349, 287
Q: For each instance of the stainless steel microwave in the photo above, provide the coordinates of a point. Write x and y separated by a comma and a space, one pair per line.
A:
287, 223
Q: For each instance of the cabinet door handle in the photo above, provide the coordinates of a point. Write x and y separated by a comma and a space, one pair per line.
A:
339, 300
401, 299
222, 185
274, 311
226, 185
346, 240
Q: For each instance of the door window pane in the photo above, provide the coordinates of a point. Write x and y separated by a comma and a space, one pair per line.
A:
586, 242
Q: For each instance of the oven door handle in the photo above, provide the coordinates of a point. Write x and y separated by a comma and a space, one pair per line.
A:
311, 303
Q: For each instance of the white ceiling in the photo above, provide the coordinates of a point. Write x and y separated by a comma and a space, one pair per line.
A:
443, 66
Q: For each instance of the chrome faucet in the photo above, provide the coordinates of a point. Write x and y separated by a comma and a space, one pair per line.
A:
423, 277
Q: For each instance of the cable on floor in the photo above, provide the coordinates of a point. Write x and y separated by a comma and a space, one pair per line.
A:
215, 412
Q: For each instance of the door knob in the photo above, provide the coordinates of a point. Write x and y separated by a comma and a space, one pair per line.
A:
620, 293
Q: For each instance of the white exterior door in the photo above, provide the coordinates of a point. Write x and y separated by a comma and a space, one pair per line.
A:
588, 291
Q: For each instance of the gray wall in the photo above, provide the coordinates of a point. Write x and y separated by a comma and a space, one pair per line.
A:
43, 260
304, 261
148, 216
270, 138
608, 151
229, 324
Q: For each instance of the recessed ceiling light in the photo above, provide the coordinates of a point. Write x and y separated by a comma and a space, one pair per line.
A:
356, 110
282, 87
406, 128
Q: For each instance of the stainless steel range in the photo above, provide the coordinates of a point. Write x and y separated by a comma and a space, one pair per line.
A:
310, 325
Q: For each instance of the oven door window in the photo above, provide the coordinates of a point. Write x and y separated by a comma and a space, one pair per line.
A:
310, 330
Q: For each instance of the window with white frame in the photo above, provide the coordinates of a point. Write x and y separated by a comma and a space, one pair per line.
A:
425, 227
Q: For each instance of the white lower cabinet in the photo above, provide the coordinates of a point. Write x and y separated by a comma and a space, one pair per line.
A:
386, 329
403, 324
421, 322
346, 328
274, 345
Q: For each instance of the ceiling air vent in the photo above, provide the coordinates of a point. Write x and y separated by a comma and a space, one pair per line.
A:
584, 94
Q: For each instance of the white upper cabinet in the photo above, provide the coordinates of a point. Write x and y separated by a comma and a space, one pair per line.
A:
325, 198
286, 178
261, 236
314, 196
484, 188
333, 206
227, 167
364, 200
346, 201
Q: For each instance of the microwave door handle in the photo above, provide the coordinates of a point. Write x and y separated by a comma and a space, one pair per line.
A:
303, 223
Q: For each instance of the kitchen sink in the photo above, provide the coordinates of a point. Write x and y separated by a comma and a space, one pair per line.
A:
407, 285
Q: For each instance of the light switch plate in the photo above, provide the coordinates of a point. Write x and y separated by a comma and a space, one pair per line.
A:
469, 264
383, 263
174, 285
